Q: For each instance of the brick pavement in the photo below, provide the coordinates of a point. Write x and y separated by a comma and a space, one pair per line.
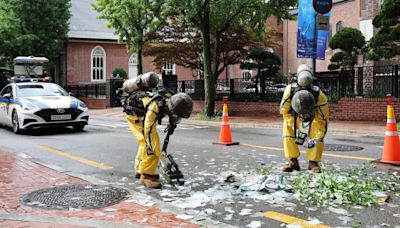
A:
19, 176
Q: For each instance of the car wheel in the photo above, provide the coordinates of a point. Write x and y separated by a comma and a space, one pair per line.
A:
15, 123
78, 127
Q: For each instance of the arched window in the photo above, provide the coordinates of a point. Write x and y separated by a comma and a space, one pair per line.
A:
339, 26
169, 69
247, 74
98, 64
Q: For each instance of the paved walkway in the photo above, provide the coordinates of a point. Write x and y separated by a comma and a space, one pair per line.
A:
19, 176
375, 128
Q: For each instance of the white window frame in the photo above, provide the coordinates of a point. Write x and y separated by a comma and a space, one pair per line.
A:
247, 75
169, 69
133, 60
103, 68
200, 74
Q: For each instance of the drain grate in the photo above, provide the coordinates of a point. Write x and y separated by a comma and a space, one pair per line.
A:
74, 196
341, 147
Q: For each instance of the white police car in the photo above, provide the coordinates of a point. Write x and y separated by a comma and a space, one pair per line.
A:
27, 105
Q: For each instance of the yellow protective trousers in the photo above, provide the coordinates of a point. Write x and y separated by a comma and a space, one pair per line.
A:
290, 147
145, 131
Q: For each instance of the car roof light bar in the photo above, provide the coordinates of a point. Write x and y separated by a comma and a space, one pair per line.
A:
30, 59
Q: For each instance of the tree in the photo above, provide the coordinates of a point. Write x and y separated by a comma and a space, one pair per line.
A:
265, 62
212, 18
132, 21
351, 43
183, 46
386, 42
36, 28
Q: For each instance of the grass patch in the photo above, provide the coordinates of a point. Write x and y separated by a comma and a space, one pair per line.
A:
202, 116
335, 186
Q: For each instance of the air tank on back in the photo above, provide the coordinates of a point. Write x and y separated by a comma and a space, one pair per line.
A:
141, 82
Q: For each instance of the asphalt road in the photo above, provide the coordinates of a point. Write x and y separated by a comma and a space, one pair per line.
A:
106, 149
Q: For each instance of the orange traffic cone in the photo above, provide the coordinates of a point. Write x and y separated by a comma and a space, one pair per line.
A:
391, 148
225, 137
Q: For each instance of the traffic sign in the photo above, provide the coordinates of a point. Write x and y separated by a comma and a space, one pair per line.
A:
322, 6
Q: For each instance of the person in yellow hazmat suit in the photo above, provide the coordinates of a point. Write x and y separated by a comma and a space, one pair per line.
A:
143, 110
304, 106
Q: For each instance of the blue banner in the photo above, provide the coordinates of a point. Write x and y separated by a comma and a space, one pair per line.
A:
322, 38
305, 31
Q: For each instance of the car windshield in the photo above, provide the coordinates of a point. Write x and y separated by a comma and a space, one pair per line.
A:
33, 90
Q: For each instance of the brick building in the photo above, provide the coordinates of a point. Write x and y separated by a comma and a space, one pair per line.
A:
92, 52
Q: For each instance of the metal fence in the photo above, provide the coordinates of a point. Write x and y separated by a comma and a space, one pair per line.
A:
97, 90
367, 81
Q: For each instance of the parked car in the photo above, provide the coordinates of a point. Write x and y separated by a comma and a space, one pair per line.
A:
189, 89
221, 88
280, 87
27, 105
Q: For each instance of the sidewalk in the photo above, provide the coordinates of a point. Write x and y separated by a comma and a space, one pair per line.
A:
367, 128
19, 176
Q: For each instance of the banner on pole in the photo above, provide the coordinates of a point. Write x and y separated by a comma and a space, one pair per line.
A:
306, 30
322, 35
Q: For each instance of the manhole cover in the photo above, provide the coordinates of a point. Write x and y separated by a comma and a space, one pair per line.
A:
74, 196
341, 147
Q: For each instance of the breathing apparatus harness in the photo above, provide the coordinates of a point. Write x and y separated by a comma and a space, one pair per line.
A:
300, 136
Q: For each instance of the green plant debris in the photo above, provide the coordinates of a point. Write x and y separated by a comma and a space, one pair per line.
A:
262, 170
335, 186
356, 224
202, 116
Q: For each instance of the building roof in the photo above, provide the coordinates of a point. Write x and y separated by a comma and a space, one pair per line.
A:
84, 23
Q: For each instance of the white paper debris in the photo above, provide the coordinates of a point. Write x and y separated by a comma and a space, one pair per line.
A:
228, 217
184, 216
229, 209
339, 211
254, 224
245, 211
110, 209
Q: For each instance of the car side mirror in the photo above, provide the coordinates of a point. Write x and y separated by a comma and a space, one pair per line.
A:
71, 94
7, 95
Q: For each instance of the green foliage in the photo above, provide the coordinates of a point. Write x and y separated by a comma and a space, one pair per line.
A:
351, 43
211, 19
121, 72
386, 42
375, 93
201, 116
36, 28
132, 20
262, 59
337, 186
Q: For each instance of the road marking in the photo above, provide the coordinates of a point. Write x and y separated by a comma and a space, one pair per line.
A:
74, 157
324, 154
292, 220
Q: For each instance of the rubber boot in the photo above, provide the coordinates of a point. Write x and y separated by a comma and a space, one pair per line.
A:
150, 181
314, 167
137, 175
293, 165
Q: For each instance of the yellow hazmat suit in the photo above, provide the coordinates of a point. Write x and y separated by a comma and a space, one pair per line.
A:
317, 130
145, 131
